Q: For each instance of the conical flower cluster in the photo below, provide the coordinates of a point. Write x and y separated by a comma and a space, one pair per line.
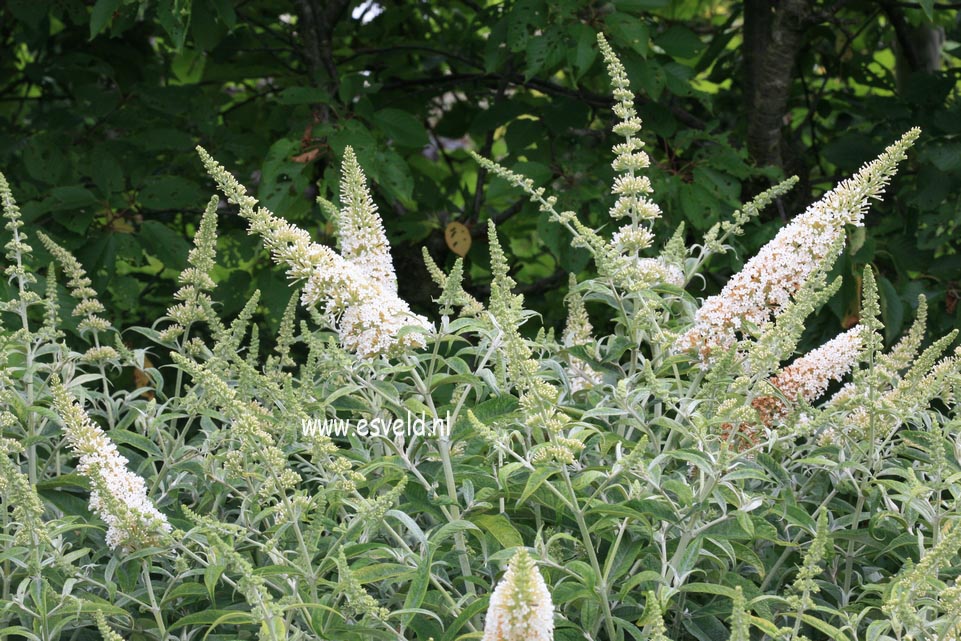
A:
118, 496
80, 288
766, 284
809, 376
371, 324
621, 258
356, 287
520, 607
618, 259
196, 283
17, 248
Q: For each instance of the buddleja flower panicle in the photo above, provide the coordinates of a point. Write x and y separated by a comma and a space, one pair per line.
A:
618, 259
359, 602
538, 397
807, 378
117, 495
196, 282
17, 491
520, 607
363, 241
578, 331
88, 305
357, 288
18, 250
768, 281
914, 580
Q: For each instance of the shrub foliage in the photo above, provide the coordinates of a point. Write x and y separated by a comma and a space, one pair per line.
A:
679, 473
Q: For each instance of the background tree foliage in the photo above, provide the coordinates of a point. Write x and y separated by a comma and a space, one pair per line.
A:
101, 104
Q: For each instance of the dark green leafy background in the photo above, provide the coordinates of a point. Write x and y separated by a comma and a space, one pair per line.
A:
101, 104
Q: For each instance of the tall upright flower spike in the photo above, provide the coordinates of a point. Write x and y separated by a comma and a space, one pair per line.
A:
363, 242
452, 287
632, 190
358, 288
870, 319
17, 248
675, 251
903, 354
656, 629
230, 341
740, 621
117, 495
619, 258
769, 280
804, 585
89, 306
17, 491
623, 262
809, 376
285, 335
195, 281
359, 602
538, 397
520, 608
505, 305
51, 312
578, 332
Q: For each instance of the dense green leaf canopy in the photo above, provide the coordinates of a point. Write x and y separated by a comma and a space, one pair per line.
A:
100, 106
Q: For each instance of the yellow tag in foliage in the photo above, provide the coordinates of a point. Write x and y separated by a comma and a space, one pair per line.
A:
458, 238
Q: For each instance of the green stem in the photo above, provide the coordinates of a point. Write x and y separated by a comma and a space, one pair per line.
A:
154, 607
460, 542
602, 587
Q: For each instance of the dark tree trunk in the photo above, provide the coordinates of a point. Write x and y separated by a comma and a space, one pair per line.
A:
774, 33
316, 21
775, 38
758, 16
315, 25
917, 49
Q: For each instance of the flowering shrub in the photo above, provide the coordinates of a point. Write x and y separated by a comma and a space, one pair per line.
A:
679, 474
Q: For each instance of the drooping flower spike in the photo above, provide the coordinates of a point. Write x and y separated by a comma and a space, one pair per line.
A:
117, 495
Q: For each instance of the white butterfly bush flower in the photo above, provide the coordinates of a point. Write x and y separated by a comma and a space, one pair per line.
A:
765, 285
117, 495
356, 287
520, 607
622, 260
808, 376
363, 242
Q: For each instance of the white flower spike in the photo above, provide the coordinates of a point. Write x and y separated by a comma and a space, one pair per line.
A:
520, 607
356, 288
766, 284
117, 495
